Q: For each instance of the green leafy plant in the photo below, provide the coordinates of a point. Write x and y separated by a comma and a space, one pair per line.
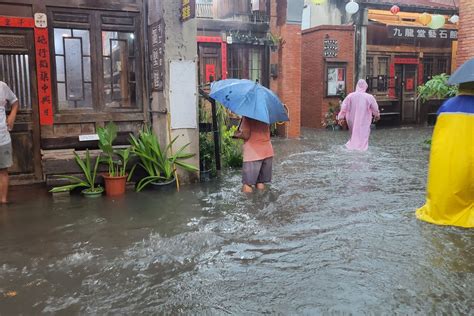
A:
231, 148
89, 172
206, 151
330, 118
276, 41
437, 88
116, 167
158, 162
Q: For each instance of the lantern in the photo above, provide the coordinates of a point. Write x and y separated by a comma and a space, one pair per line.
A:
395, 9
352, 7
437, 22
454, 19
425, 18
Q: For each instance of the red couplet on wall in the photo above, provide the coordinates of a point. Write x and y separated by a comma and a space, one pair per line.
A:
210, 71
44, 77
43, 67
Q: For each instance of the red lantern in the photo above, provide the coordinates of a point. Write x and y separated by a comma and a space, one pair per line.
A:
395, 9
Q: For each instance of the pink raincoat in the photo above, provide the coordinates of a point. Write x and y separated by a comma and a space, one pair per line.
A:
358, 108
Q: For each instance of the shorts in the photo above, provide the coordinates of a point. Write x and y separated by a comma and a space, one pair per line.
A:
6, 159
259, 171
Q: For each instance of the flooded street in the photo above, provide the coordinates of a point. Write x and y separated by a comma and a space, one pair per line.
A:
335, 233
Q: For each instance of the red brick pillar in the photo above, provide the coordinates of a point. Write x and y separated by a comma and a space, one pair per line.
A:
466, 34
287, 84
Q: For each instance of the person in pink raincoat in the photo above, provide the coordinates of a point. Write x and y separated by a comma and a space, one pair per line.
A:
357, 109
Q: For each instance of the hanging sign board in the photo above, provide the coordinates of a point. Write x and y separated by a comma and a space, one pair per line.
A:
408, 32
188, 10
157, 55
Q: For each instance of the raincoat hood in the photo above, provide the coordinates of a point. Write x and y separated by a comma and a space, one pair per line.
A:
361, 86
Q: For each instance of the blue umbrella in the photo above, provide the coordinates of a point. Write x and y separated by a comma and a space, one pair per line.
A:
250, 99
463, 74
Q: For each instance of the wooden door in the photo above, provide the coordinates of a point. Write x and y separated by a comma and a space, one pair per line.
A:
409, 77
17, 70
209, 62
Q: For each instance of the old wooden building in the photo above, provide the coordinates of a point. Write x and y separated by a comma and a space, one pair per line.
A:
233, 39
74, 66
394, 51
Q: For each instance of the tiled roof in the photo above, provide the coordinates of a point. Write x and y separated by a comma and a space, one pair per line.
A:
432, 4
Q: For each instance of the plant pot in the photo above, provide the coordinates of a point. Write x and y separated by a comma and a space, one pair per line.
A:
115, 186
92, 194
166, 185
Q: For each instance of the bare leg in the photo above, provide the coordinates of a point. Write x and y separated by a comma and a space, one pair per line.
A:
3, 186
260, 186
247, 188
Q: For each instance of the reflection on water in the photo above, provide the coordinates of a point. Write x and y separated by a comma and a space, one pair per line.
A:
335, 233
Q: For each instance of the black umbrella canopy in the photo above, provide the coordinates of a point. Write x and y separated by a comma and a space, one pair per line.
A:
463, 74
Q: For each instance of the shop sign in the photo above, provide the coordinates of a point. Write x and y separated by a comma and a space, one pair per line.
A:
188, 9
408, 32
157, 58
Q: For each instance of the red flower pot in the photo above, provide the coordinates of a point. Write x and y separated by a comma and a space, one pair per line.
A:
114, 186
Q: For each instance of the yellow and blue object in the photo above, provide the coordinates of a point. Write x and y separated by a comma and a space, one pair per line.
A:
450, 192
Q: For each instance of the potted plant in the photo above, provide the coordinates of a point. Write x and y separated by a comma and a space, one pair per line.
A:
437, 88
206, 153
158, 163
90, 175
276, 41
117, 160
432, 94
330, 118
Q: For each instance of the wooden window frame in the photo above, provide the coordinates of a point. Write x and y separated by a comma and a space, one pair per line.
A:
97, 23
329, 65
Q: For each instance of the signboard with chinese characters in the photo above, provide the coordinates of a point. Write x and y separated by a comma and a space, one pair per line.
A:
408, 32
157, 55
210, 72
188, 9
44, 76
331, 48
43, 71
41, 20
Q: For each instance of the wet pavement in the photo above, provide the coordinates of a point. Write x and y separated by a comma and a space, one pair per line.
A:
335, 233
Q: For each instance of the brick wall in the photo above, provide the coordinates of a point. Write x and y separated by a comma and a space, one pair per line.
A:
314, 103
466, 35
287, 85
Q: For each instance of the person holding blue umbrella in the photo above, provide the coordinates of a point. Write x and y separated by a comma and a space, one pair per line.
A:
259, 107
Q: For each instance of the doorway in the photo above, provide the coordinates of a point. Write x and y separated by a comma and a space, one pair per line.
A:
408, 74
17, 70
209, 62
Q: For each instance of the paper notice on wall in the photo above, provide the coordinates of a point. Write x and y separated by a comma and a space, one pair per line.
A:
332, 81
183, 94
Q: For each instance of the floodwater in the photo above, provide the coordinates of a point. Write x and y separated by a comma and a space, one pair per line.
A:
336, 233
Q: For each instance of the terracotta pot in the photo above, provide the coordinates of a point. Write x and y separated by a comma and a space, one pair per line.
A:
114, 186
